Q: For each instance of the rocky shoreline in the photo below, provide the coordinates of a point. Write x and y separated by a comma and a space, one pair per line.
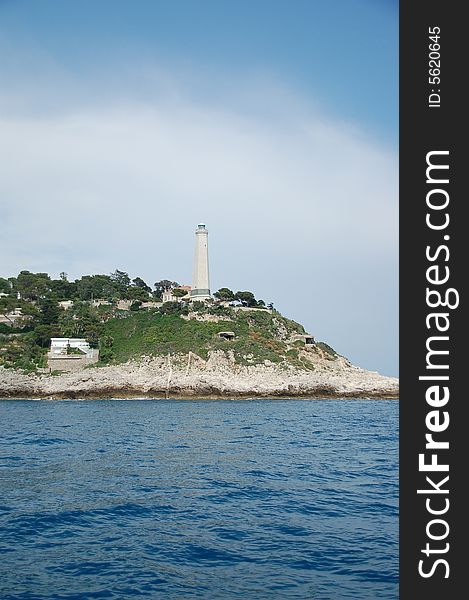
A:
189, 376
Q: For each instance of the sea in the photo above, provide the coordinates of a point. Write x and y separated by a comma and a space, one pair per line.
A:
212, 499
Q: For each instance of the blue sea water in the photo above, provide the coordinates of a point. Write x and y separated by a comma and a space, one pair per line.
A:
176, 499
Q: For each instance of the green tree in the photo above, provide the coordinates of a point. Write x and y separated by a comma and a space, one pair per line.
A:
28, 308
32, 286
92, 336
25, 353
49, 312
97, 286
138, 282
107, 341
7, 303
224, 294
247, 298
5, 286
43, 334
82, 320
71, 327
106, 353
121, 281
137, 293
164, 284
61, 289
174, 308
179, 293
121, 278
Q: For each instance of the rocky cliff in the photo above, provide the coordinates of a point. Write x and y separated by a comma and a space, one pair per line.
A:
188, 376
202, 351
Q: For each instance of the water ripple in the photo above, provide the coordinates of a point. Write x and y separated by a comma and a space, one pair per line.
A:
194, 499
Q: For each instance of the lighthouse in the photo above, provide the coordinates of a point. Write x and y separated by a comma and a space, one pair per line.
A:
200, 283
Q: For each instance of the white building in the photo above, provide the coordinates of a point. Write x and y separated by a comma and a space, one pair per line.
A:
168, 295
60, 346
60, 358
66, 304
201, 284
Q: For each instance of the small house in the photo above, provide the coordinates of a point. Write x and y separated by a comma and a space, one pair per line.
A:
306, 338
70, 354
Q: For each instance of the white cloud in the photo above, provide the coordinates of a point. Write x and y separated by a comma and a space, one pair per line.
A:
290, 197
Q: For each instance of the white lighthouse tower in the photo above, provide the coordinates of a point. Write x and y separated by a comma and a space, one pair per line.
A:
200, 284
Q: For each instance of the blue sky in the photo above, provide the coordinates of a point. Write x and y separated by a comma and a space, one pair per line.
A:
342, 53
275, 122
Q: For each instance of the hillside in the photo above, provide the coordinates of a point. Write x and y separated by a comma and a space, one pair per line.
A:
155, 348
259, 336
179, 353
124, 318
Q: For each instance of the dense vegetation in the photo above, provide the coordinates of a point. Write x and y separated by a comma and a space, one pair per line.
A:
37, 308
163, 331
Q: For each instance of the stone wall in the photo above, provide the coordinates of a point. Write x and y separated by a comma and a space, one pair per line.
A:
71, 363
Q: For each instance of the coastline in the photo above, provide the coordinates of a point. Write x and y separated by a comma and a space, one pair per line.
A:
183, 397
218, 378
